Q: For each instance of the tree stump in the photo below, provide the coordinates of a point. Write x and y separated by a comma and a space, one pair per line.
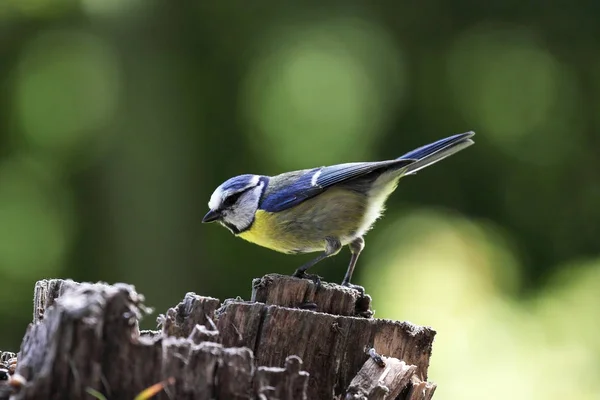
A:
293, 340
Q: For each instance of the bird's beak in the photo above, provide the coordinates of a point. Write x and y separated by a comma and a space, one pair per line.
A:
211, 216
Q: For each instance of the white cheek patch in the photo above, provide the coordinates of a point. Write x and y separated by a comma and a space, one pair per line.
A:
242, 215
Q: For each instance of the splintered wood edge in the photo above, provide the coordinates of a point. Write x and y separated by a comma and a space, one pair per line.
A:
294, 378
45, 293
329, 298
391, 378
420, 390
193, 310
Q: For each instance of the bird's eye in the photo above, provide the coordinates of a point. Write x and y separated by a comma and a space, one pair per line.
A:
231, 200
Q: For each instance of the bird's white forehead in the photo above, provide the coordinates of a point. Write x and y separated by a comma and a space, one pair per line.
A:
215, 199
227, 189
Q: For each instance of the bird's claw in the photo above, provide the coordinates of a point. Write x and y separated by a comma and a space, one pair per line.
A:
303, 275
359, 288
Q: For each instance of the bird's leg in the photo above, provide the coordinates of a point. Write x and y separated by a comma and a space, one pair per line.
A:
356, 246
332, 247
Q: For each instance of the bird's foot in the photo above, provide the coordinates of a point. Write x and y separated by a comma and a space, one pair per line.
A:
359, 288
303, 275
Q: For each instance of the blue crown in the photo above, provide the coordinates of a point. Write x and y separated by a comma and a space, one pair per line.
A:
238, 183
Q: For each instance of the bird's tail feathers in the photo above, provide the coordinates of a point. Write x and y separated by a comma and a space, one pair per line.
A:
434, 152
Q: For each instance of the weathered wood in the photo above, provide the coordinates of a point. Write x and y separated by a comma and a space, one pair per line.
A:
283, 383
330, 346
191, 311
201, 334
88, 339
418, 390
375, 382
46, 292
87, 336
5, 357
208, 370
326, 297
7, 365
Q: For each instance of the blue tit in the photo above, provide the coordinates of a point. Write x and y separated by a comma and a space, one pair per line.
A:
319, 209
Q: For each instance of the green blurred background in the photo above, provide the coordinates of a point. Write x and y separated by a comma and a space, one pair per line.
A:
118, 118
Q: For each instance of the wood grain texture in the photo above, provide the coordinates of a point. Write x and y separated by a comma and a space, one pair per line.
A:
331, 347
374, 382
283, 383
327, 298
86, 336
191, 311
418, 390
46, 292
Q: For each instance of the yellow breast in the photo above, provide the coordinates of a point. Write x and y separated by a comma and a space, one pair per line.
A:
336, 213
267, 232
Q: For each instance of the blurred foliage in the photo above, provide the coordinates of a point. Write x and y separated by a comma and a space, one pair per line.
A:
119, 118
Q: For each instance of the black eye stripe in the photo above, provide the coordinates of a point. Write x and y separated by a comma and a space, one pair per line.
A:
229, 201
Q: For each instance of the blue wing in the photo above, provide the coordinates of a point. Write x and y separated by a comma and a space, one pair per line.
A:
288, 190
292, 188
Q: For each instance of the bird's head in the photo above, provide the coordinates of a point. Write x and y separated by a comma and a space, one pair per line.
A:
234, 203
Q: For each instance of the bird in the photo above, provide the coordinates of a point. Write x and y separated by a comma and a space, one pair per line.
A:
320, 209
